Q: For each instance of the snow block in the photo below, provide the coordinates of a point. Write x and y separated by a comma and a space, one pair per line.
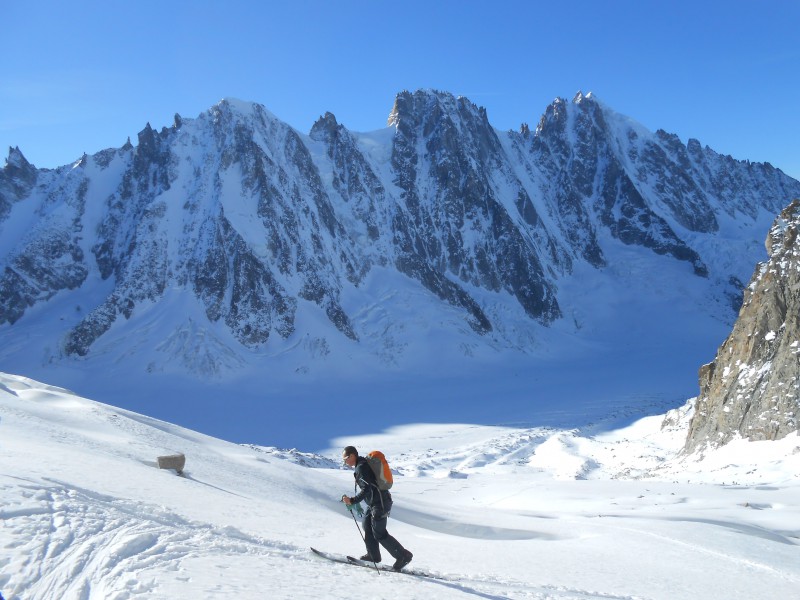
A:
172, 461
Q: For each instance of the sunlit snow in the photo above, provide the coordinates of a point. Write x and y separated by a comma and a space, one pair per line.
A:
490, 512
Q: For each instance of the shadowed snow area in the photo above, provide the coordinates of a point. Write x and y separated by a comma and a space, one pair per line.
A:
489, 512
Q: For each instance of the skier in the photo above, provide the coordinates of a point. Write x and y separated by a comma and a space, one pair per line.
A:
379, 504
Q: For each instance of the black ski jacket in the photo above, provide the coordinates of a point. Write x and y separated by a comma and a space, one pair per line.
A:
376, 499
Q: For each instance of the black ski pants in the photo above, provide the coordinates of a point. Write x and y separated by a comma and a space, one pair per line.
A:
375, 533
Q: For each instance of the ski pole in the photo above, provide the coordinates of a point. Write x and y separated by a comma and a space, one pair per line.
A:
350, 510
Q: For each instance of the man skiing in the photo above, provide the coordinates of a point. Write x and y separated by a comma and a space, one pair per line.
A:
379, 503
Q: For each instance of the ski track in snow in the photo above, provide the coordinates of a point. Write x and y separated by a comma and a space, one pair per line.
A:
89, 545
560, 513
92, 546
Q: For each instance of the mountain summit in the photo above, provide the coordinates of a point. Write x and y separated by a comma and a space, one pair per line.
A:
232, 238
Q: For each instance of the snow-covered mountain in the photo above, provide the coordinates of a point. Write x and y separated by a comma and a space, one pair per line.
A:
232, 246
490, 512
259, 224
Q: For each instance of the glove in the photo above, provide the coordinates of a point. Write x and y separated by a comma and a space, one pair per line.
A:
354, 506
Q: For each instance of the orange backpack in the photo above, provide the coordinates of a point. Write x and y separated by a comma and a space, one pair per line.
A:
379, 466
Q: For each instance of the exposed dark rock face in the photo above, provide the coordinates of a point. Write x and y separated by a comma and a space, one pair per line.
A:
457, 225
49, 257
353, 178
256, 222
597, 178
752, 389
16, 180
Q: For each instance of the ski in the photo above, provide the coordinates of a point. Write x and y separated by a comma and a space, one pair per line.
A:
357, 562
405, 570
341, 558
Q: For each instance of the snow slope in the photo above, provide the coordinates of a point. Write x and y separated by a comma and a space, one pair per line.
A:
493, 512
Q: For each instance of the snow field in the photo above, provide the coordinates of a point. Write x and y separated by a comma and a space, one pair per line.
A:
493, 512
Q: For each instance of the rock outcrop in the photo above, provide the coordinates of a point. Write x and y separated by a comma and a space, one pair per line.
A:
752, 388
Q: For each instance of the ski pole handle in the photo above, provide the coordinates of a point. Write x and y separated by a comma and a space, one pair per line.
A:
352, 506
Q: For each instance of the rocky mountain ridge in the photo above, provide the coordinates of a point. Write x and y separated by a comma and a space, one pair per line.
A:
264, 228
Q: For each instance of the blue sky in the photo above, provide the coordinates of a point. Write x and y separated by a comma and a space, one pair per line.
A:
81, 77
